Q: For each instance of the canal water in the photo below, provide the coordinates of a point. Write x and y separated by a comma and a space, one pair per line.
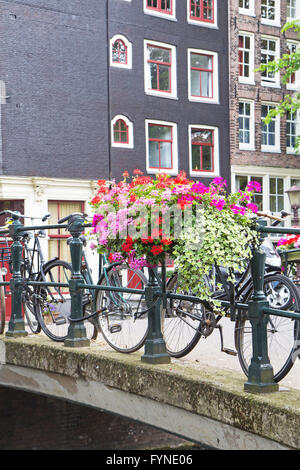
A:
34, 422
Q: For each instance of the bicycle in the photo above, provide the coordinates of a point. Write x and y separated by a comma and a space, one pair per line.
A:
4, 259
185, 322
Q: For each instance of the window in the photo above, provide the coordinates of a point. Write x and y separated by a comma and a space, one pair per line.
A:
161, 141
270, 12
276, 194
204, 150
294, 80
120, 52
203, 76
292, 10
292, 131
122, 132
271, 131
202, 12
241, 182
269, 52
160, 69
246, 125
246, 7
58, 237
162, 8
246, 58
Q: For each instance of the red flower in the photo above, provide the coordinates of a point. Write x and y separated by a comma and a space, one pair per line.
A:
101, 182
157, 250
166, 241
125, 174
95, 200
138, 172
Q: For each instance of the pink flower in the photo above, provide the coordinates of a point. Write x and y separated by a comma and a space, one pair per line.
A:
253, 186
218, 203
252, 207
219, 181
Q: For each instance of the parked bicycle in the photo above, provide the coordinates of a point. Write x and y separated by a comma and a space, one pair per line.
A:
4, 259
185, 322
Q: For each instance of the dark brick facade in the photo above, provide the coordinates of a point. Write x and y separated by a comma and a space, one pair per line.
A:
63, 94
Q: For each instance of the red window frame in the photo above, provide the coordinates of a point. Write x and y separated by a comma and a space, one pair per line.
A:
119, 52
203, 8
199, 69
203, 144
119, 131
159, 6
151, 139
158, 63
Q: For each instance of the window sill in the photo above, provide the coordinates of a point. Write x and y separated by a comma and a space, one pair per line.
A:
271, 150
245, 12
249, 149
161, 95
270, 23
153, 171
203, 24
203, 100
164, 16
246, 82
271, 85
205, 174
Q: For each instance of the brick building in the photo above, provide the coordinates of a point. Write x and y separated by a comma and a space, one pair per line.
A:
264, 153
100, 86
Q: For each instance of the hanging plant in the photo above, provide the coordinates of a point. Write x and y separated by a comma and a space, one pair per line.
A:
140, 220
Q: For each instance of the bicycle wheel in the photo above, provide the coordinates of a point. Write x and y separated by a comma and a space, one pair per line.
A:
53, 304
181, 323
283, 333
124, 323
2, 306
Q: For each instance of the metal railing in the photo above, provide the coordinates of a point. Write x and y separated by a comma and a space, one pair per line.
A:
260, 374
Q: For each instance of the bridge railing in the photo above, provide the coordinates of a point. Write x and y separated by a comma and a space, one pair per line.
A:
260, 374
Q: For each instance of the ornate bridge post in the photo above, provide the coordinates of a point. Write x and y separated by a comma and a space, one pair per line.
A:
260, 374
16, 325
155, 346
77, 331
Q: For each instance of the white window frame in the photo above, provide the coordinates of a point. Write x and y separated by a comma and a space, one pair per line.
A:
272, 148
216, 171
289, 18
248, 11
148, 90
264, 81
291, 150
249, 80
129, 124
174, 170
296, 85
251, 145
129, 52
215, 98
276, 21
204, 24
165, 16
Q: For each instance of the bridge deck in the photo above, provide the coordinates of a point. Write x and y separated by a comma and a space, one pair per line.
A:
202, 404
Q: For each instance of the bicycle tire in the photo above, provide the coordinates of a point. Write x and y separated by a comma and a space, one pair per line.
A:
123, 325
282, 360
2, 306
53, 304
181, 331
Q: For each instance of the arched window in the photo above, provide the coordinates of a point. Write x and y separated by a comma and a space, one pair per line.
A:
120, 52
122, 132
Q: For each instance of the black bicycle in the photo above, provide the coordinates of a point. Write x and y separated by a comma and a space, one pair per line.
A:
184, 322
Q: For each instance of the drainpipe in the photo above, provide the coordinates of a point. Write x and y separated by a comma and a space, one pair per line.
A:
108, 91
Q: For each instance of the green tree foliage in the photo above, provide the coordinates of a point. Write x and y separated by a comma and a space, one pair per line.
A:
288, 64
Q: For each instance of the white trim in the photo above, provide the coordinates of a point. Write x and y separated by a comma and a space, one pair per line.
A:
291, 150
174, 170
159, 14
148, 90
129, 52
296, 85
248, 11
275, 22
204, 24
272, 148
216, 171
251, 145
248, 80
129, 124
297, 15
215, 99
264, 81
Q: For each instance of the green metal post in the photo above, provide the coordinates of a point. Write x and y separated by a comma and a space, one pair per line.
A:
16, 325
155, 346
260, 373
77, 332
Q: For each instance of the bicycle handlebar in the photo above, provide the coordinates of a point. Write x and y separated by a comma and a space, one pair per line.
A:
22, 216
75, 214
